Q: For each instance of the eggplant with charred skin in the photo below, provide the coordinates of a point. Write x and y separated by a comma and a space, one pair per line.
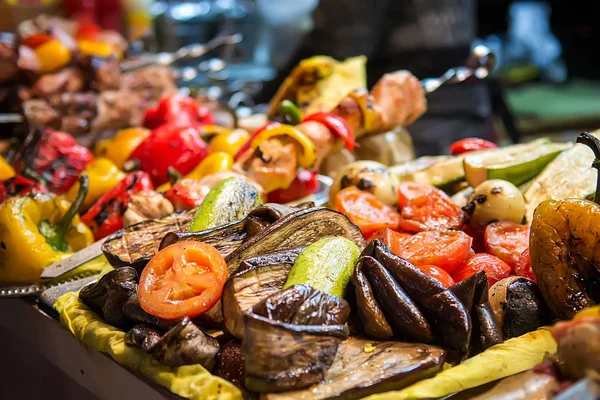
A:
291, 338
143, 336
110, 293
563, 248
256, 279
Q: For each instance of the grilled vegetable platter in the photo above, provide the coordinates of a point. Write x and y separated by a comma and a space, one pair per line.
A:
219, 277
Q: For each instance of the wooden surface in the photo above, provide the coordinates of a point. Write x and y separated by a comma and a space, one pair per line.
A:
40, 360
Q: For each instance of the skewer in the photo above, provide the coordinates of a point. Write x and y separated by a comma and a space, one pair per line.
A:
11, 118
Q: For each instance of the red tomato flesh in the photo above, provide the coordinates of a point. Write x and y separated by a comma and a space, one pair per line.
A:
523, 267
185, 279
366, 211
437, 273
433, 211
494, 268
411, 190
470, 144
507, 241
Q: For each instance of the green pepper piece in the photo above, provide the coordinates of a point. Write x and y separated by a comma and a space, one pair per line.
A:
55, 233
290, 112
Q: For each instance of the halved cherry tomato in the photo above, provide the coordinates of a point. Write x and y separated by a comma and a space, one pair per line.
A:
507, 241
523, 267
366, 211
433, 211
446, 250
36, 40
411, 190
437, 273
470, 144
477, 235
494, 268
184, 279
391, 238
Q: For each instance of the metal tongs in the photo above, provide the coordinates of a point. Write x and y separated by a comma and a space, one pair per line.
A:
480, 63
184, 53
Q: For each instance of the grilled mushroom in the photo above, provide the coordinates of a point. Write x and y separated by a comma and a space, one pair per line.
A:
143, 336
291, 338
109, 294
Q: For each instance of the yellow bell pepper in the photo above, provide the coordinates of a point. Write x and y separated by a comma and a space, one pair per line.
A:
96, 49
6, 171
229, 142
36, 232
308, 154
103, 175
119, 147
213, 163
52, 55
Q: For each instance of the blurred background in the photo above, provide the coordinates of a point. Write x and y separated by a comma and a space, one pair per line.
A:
545, 83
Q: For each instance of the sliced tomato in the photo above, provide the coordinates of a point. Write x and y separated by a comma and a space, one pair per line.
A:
446, 250
366, 211
477, 235
36, 40
523, 267
507, 241
470, 144
434, 211
391, 238
494, 268
410, 190
184, 279
437, 273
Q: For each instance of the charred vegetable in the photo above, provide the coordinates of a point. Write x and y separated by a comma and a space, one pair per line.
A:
369, 176
362, 367
109, 294
134, 312
257, 279
231, 200
325, 265
563, 248
143, 336
296, 230
135, 246
291, 338
518, 306
186, 344
495, 200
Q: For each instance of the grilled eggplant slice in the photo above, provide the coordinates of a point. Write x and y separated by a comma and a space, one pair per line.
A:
186, 344
107, 296
362, 367
143, 336
291, 338
296, 230
134, 246
134, 312
257, 279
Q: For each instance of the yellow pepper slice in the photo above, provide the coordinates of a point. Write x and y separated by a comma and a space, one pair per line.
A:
119, 147
95, 48
308, 154
103, 175
369, 115
6, 171
24, 251
52, 55
213, 163
229, 142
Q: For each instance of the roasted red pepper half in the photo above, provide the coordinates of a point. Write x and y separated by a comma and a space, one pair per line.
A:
55, 157
305, 184
470, 144
257, 132
337, 125
179, 110
19, 186
106, 215
170, 146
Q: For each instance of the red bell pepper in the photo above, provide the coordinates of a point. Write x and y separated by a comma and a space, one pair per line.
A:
178, 110
305, 184
257, 132
35, 40
337, 125
55, 157
106, 215
170, 146
87, 31
19, 186
186, 194
470, 144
